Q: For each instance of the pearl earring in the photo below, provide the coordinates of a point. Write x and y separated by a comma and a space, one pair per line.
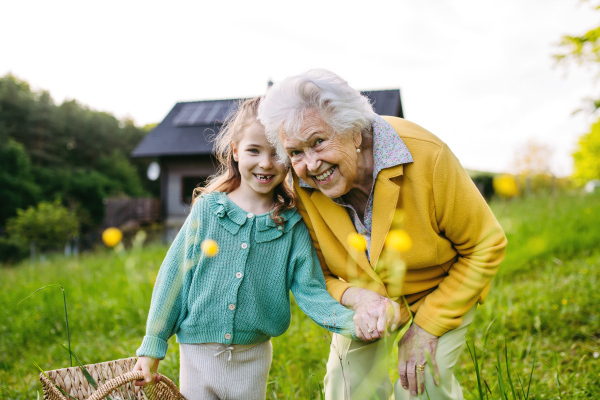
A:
358, 150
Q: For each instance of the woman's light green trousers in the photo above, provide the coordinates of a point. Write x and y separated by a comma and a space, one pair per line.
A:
362, 369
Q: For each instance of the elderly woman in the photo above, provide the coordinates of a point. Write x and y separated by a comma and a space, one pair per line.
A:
352, 170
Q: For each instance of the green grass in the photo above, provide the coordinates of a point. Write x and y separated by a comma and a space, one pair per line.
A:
544, 228
545, 303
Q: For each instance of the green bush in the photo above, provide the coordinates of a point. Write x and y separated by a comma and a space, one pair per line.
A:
49, 225
587, 156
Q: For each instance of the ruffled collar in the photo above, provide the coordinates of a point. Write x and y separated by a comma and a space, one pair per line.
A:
232, 218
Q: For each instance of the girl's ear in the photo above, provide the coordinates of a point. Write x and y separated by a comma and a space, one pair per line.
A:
234, 150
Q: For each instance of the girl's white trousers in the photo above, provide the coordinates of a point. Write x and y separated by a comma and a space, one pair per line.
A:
213, 371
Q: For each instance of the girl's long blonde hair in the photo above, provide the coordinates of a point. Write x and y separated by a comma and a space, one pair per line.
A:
228, 177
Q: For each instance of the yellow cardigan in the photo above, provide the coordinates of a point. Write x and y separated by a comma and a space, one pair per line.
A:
457, 242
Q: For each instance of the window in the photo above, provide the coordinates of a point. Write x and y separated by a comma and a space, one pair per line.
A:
188, 184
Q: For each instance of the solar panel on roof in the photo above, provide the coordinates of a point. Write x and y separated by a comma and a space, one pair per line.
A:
202, 113
187, 111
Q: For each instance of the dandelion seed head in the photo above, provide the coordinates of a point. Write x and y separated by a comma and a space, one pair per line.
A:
210, 248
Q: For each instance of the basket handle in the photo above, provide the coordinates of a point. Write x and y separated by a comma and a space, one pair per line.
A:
165, 384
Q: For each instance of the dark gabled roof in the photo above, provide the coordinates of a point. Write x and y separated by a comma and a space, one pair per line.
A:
190, 126
386, 102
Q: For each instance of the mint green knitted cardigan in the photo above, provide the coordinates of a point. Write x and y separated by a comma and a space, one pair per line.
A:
241, 295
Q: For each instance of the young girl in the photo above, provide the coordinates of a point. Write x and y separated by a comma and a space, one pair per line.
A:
225, 307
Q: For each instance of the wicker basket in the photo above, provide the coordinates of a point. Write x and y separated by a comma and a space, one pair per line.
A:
114, 379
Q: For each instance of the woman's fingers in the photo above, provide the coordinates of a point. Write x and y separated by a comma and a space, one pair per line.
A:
382, 323
359, 332
397, 318
365, 328
402, 366
411, 375
421, 373
431, 348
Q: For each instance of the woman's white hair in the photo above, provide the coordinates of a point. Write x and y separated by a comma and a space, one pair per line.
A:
341, 107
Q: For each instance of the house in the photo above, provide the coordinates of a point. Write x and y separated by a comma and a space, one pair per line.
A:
182, 142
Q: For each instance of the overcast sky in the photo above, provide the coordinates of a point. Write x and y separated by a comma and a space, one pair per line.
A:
478, 74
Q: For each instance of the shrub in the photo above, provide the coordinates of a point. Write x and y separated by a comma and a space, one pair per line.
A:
49, 225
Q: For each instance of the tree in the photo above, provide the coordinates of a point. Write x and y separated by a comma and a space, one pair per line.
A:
533, 158
49, 225
65, 151
585, 50
587, 157
17, 186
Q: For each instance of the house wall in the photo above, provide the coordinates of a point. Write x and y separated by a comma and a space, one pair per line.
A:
173, 171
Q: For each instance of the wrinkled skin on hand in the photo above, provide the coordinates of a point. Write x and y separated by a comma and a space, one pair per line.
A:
411, 353
149, 366
372, 312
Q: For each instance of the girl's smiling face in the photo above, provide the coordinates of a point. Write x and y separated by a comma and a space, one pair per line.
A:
324, 160
257, 161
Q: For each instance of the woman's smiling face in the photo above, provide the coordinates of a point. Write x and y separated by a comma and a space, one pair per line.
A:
325, 160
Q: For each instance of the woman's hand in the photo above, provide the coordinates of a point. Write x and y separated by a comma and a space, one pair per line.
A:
148, 366
373, 313
411, 355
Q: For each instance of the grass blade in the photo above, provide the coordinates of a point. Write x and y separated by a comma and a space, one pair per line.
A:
557, 376
85, 372
46, 375
487, 331
500, 377
66, 316
520, 384
489, 391
434, 372
530, 378
474, 358
512, 388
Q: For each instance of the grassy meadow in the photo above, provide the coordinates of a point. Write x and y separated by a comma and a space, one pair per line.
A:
541, 319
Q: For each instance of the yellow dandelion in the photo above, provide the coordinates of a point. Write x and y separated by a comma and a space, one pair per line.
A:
357, 241
398, 219
505, 186
112, 236
399, 240
209, 247
564, 302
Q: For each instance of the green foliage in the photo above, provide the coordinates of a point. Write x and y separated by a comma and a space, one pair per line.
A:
547, 312
149, 127
49, 225
543, 228
587, 157
583, 50
122, 173
17, 186
65, 151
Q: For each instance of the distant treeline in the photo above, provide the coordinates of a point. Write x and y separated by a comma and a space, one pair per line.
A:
64, 151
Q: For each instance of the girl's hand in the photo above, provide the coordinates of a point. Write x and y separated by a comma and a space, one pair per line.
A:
148, 366
373, 313
411, 359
